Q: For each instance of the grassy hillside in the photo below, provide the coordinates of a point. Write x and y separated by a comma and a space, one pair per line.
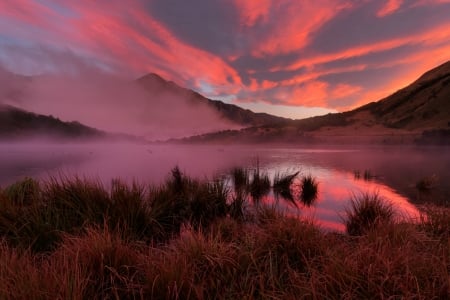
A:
17, 123
419, 113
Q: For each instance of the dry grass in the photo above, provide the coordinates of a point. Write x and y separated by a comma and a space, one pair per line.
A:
367, 212
167, 243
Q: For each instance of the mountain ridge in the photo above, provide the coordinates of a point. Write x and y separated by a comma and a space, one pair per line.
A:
156, 85
18, 123
419, 112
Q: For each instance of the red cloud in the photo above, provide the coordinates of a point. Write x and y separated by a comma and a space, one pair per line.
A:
389, 7
130, 40
292, 32
430, 37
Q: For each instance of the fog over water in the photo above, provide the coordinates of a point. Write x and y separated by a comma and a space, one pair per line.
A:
394, 170
111, 103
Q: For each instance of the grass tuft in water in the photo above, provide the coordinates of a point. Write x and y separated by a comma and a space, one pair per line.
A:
260, 184
308, 189
282, 185
240, 178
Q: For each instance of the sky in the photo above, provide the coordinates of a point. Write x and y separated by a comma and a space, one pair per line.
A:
285, 57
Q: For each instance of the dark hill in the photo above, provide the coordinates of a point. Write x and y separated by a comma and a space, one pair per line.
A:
16, 123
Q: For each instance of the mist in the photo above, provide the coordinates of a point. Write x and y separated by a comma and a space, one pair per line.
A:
111, 103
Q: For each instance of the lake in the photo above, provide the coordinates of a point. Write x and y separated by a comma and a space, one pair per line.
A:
391, 171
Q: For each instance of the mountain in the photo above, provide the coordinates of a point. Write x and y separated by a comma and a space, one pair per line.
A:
425, 104
418, 113
156, 86
17, 123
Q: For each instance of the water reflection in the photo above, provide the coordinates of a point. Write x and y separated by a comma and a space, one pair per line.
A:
393, 174
334, 193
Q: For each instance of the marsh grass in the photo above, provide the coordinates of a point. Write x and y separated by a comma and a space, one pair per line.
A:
240, 178
282, 185
23, 192
368, 175
259, 184
367, 212
308, 189
182, 240
435, 221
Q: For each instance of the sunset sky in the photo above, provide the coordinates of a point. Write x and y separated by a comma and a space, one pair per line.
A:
286, 57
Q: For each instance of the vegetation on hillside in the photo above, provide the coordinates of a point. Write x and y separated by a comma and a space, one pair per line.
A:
16, 123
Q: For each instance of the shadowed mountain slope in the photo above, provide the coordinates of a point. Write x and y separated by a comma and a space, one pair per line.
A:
17, 123
157, 86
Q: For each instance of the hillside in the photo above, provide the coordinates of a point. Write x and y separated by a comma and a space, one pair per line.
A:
16, 123
156, 86
419, 113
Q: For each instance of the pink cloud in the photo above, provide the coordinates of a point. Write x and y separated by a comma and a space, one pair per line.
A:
128, 39
430, 37
312, 94
291, 32
343, 90
390, 7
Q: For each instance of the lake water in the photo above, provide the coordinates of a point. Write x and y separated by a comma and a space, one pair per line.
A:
394, 171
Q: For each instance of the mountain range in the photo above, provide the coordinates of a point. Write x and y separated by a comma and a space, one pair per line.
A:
419, 112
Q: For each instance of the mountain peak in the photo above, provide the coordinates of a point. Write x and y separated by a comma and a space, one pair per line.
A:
157, 85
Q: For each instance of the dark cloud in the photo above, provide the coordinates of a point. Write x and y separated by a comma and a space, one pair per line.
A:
210, 25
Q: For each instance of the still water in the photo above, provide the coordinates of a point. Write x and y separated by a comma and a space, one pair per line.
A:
394, 171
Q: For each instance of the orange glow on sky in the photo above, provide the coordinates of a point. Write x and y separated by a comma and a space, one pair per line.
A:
286, 57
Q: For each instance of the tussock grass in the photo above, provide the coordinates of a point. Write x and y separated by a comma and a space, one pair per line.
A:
240, 178
282, 185
184, 239
308, 189
435, 221
23, 192
367, 212
259, 185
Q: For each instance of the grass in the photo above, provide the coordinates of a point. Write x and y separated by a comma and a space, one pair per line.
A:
240, 178
367, 175
282, 185
259, 185
367, 212
308, 189
190, 239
